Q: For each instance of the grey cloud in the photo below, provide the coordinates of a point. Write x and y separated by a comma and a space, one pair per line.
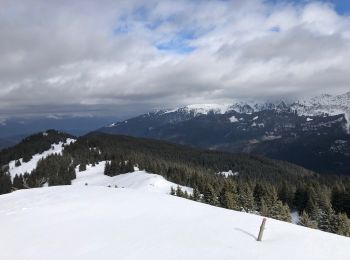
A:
66, 56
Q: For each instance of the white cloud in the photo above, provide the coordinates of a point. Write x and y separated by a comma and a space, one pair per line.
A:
103, 55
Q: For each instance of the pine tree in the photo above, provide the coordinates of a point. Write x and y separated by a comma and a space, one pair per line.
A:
26, 157
259, 193
325, 219
210, 196
228, 200
306, 221
129, 167
196, 195
341, 224
71, 173
186, 196
285, 194
263, 209
18, 163
179, 191
18, 182
5, 183
326, 213
246, 198
82, 167
107, 170
312, 209
280, 211
114, 168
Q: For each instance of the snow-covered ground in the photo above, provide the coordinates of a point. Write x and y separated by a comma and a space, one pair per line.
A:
233, 119
31, 165
140, 180
87, 222
228, 173
206, 108
295, 217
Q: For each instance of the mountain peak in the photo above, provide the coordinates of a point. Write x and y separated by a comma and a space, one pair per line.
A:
206, 108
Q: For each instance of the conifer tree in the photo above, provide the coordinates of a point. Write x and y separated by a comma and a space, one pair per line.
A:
210, 196
196, 194
18, 182
5, 183
26, 157
185, 194
325, 219
82, 167
114, 168
18, 163
306, 221
71, 173
285, 194
263, 209
228, 199
107, 170
126, 167
312, 209
246, 198
341, 224
280, 211
179, 191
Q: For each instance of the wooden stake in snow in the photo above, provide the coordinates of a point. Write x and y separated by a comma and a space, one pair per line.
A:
262, 227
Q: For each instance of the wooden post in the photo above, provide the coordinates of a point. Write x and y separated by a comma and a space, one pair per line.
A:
262, 227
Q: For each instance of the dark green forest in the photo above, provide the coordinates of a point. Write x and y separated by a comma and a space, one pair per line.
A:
31, 145
263, 186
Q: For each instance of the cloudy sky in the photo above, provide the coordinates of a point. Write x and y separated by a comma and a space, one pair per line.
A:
124, 57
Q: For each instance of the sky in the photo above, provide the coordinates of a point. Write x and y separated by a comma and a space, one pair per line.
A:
123, 57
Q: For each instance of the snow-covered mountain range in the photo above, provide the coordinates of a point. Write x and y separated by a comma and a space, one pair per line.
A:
324, 104
310, 128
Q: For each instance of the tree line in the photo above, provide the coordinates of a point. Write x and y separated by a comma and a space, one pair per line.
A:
263, 186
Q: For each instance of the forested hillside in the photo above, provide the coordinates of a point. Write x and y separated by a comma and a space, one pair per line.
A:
31, 145
318, 141
257, 184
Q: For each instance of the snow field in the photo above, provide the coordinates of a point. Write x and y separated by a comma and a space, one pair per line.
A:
89, 222
139, 179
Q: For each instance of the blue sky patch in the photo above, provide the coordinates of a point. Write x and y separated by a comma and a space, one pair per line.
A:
341, 6
275, 29
180, 42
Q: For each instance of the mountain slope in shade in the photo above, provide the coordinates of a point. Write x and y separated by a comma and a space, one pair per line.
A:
325, 104
71, 222
312, 133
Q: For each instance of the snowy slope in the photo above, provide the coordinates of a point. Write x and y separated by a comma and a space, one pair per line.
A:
325, 104
319, 105
79, 222
31, 165
206, 108
140, 180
